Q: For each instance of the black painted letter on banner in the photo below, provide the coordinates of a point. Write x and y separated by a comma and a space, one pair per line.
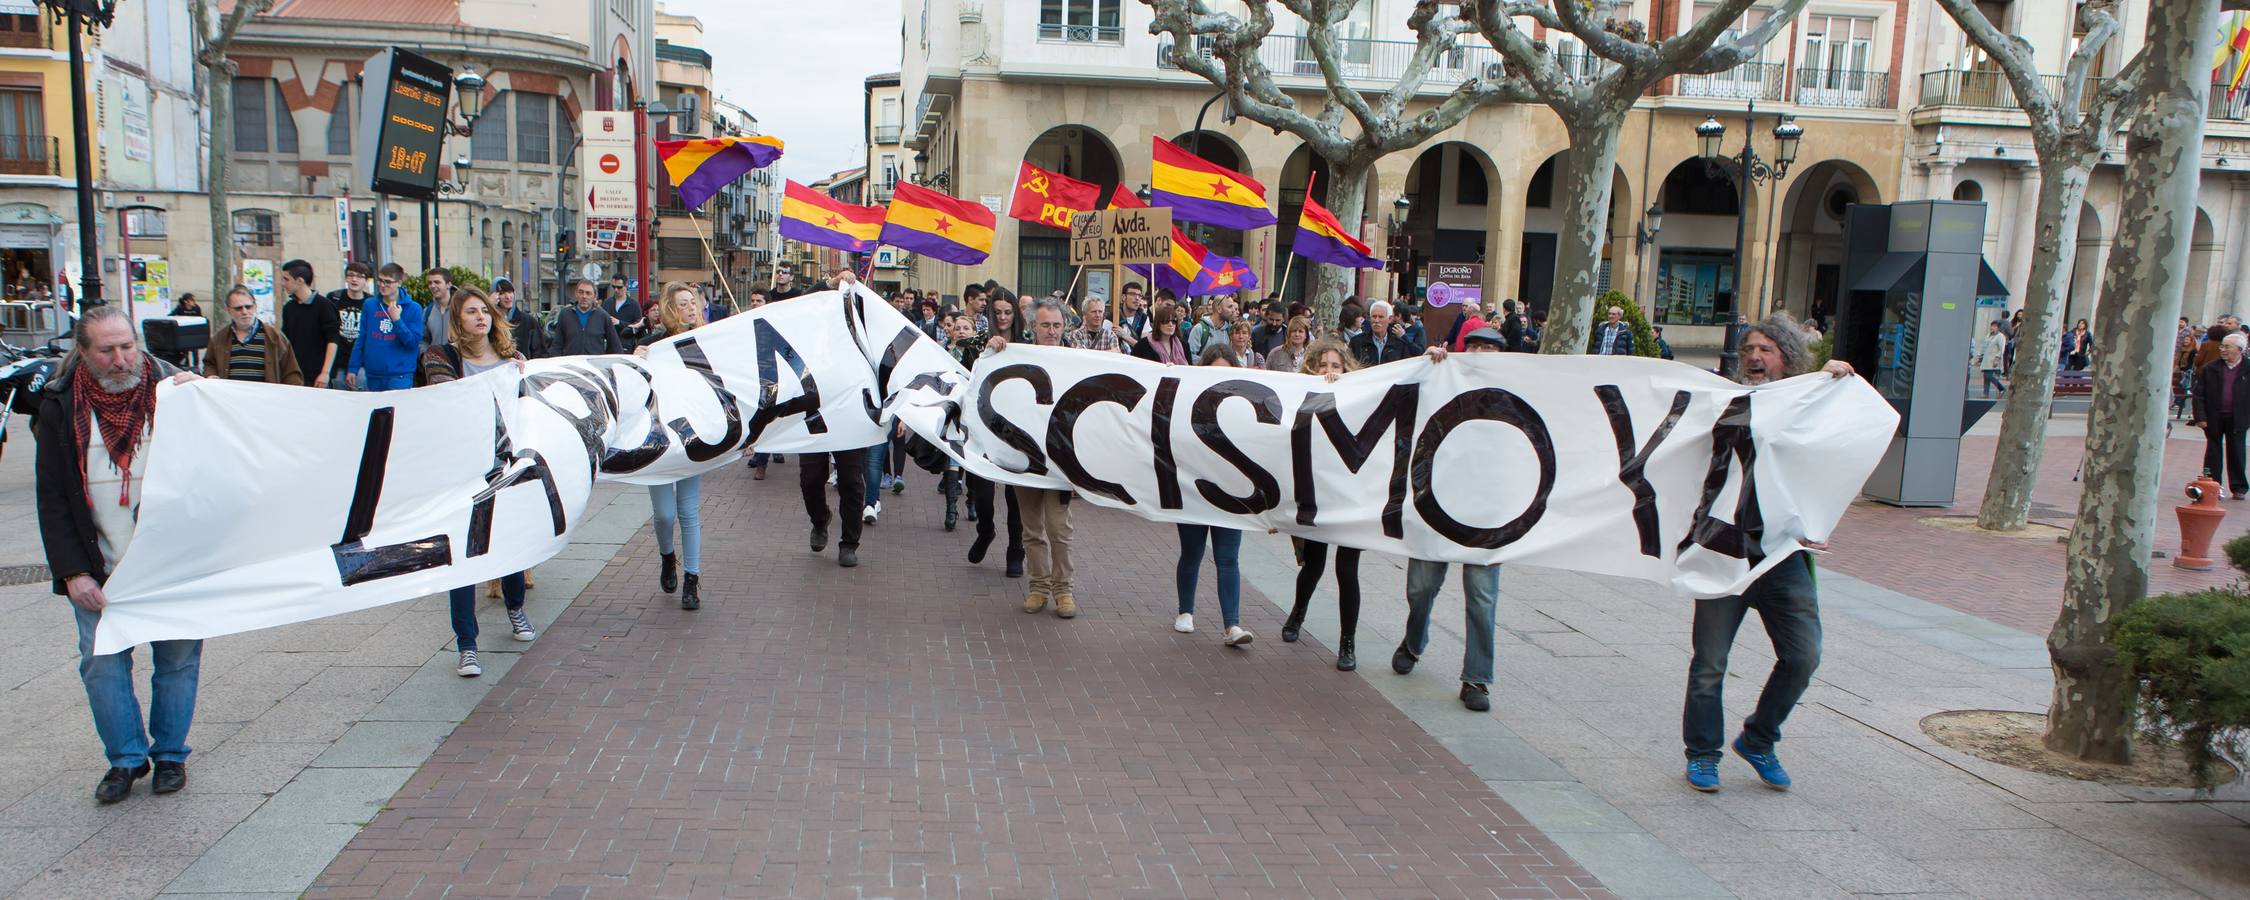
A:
1396, 411
1632, 464
1042, 389
1265, 492
358, 564
503, 476
771, 347
1062, 447
691, 353
1744, 538
1493, 405
1160, 431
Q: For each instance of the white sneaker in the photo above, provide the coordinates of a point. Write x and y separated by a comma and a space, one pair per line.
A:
1238, 635
1185, 624
867, 516
468, 667
521, 625
831, 478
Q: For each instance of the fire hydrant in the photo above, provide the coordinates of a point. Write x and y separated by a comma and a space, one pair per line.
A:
2199, 519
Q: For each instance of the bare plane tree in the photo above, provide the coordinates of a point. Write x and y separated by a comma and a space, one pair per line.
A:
1350, 130
1593, 111
2068, 133
218, 97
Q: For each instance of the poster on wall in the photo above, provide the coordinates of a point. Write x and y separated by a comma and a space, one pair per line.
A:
151, 286
257, 275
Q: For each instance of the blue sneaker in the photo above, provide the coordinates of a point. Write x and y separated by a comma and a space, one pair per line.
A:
1703, 774
1768, 766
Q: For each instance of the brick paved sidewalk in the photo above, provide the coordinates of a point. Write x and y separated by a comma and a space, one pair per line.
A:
901, 729
2016, 582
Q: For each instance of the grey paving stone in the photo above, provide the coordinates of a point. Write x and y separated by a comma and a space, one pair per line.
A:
1851, 862
1496, 758
27, 851
436, 694
96, 875
1774, 880
385, 745
241, 766
333, 796
1563, 806
276, 858
1637, 865
182, 824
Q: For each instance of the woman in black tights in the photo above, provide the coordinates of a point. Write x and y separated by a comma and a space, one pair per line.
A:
1000, 310
1330, 360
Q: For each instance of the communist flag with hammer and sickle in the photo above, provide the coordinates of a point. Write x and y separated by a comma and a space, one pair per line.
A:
1049, 198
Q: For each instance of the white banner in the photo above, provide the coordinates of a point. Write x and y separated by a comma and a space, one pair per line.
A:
1625, 467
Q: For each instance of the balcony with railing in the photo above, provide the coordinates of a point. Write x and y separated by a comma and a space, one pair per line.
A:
1843, 88
30, 154
886, 134
1991, 89
1368, 60
1749, 81
1082, 34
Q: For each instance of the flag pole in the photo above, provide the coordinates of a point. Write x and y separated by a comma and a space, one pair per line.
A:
717, 266
1291, 263
1072, 290
1283, 293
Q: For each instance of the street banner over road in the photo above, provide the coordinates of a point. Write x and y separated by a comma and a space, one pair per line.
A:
1616, 466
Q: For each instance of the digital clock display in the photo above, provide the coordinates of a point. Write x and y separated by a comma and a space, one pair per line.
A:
408, 124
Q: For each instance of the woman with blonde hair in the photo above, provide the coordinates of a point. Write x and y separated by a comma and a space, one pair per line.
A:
679, 310
1289, 355
476, 343
1330, 359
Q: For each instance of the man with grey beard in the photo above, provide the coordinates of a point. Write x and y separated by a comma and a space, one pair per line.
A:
93, 433
1786, 598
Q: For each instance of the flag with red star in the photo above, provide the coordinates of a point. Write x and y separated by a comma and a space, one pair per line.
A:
937, 226
1199, 190
823, 221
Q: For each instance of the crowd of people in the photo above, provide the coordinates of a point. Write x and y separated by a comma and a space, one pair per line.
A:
95, 424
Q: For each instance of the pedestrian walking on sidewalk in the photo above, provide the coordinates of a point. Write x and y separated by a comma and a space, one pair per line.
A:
1480, 589
476, 343
92, 435
679, 504
1000, 311
1226, 543
1991, 348
2222, 410
1046, 513
1786, 600
1329, 359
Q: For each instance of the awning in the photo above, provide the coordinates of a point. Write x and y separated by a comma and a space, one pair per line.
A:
1988, 281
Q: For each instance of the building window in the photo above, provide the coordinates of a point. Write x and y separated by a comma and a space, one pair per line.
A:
340, 123
534, 142
566, 132
143, 222
679, 253
19, 30
257, 228
1838, 45
1469, 187
23, 127
284, 124
489, 143
250, 115
1081, 21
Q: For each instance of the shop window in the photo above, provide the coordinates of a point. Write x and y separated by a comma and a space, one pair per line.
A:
144, 223
257, 228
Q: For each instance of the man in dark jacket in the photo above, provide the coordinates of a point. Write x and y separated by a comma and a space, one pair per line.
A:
92, 433
1614, 337
1384, 340
529, 332
2222, 410
311, 322
585, 330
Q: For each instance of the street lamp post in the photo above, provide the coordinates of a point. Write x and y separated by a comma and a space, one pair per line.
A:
78, 14
1396, 226
468, 91
1747, 167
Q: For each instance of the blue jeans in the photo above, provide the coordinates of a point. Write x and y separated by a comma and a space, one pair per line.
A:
464, 603
680, 502
878, 457
1789, 604
1226, 551
1480, 588
117, 712
374, 382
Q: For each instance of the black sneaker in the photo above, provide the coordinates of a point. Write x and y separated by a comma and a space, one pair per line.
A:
170, 778
819, 538
1476, 697
118, 783
847, 557
1402, 660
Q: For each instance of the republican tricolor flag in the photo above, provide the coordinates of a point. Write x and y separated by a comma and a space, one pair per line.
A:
1321, 238
820, 220
699, 167
1199, 190
943, 228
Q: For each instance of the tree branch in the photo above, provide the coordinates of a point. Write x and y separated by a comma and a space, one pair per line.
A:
2016, 64
2099, 26
1735, 51
1531, 62
1597, 38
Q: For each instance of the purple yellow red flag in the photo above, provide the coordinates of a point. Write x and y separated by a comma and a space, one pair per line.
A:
1199, 190
1321, 238
1051, 199
699, 167
823, 221
937, 226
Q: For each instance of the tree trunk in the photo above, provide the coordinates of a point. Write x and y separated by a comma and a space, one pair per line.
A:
1347, 199
2031, 382
218, 97
1587, 172
2093, 712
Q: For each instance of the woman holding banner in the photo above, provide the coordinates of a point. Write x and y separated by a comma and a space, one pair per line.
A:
1226, 547
1327, 359
1000, 311
681, 502
1289, 355
474, 347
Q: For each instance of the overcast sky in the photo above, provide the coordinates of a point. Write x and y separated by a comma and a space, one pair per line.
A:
800, 67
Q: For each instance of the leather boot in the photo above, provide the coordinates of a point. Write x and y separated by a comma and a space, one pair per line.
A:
668, 572
952, 490
1346, 659
690, 597
1291, 627
1015, 562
